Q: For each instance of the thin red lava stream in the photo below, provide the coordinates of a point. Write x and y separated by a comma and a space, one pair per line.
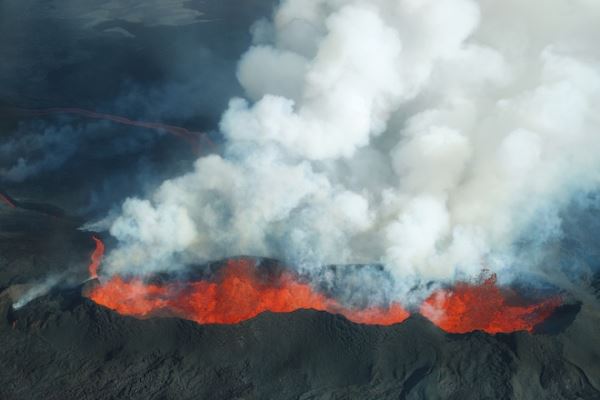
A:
484, 306
189, 136
239, 292
7, 200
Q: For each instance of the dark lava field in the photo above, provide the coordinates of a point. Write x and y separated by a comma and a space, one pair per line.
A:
63, 346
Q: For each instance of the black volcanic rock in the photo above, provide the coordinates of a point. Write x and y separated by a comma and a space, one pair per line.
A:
35, 247
63, 346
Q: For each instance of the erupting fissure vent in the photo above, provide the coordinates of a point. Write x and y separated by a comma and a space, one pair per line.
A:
191, 137
6, 199
96, 258
240, 292
484, 306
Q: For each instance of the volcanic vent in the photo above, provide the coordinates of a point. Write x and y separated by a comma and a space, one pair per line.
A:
243, 288
239, 290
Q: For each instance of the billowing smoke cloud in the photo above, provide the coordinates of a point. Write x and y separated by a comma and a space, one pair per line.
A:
429, 136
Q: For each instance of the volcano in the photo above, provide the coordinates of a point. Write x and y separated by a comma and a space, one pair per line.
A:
299, 200
104, 354
241, 291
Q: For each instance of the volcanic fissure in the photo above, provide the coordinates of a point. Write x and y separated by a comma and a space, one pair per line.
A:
239, 292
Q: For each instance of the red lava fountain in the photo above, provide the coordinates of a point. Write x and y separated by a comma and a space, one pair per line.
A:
96, 258
238, 293
183, 133
470, 307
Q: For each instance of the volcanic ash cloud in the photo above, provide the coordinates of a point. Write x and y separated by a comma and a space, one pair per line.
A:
427, 135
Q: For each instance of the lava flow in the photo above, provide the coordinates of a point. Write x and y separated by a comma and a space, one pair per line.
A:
486, 307
96, 258
189, 136
6, 199
238, 293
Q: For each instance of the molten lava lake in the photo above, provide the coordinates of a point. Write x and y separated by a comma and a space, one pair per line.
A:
240, 291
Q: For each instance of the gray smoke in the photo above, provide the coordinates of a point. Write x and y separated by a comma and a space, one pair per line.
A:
35, 290
429, 136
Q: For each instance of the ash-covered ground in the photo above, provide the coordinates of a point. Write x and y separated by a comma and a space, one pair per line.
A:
175, 62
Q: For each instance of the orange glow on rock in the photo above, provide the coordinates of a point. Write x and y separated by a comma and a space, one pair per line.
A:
237, 294
486, 307
96, 258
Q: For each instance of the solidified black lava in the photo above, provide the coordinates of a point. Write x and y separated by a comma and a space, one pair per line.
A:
63, 346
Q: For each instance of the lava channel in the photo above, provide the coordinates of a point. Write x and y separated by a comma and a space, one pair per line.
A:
483, 306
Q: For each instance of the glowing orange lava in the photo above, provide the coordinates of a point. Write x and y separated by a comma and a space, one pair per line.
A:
96, 258
240, 292
5, 198
485, 307
237, 294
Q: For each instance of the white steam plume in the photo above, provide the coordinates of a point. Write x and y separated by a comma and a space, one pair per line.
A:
426, 135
